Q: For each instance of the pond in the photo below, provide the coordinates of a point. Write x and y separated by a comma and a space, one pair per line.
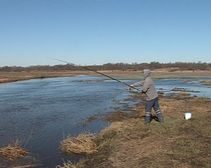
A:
41, 112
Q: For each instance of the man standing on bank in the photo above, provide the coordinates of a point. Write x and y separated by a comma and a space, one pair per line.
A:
148, 88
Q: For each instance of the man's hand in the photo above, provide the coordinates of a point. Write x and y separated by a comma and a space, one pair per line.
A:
131, 86
142, 92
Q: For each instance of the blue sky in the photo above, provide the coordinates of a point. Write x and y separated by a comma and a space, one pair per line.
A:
100, 31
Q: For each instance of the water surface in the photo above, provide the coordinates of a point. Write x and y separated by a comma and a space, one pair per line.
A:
41, 112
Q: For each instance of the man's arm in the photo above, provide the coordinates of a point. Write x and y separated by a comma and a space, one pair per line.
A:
140, 83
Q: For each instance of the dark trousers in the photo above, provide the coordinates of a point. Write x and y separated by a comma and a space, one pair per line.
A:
155, 105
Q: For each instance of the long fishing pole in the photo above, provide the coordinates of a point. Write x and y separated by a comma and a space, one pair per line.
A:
86, 68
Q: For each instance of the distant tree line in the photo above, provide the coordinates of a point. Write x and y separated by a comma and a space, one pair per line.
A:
117, 66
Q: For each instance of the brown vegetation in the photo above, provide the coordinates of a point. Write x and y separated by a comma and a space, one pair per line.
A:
82, 144
68, 165
176, 143
13, 151
13, 76
119, 70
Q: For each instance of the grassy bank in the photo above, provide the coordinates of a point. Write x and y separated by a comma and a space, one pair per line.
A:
6, 77
160, 73
176, 143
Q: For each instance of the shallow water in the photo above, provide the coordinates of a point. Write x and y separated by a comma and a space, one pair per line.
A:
191, 85
41, 112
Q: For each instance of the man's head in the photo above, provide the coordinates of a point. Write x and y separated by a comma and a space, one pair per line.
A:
146, 73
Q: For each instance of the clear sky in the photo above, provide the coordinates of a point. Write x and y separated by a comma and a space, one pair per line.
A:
100, 31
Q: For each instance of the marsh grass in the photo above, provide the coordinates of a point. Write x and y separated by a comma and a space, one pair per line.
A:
68, 165
82, 144
13, 151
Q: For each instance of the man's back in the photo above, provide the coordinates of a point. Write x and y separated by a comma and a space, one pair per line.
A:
149, 88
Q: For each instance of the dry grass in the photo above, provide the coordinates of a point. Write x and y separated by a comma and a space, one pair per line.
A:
176, 143
28, 166
159, 73
82, 144
13, 151
68, 165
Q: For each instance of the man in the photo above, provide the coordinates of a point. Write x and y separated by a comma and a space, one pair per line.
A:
148, 88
